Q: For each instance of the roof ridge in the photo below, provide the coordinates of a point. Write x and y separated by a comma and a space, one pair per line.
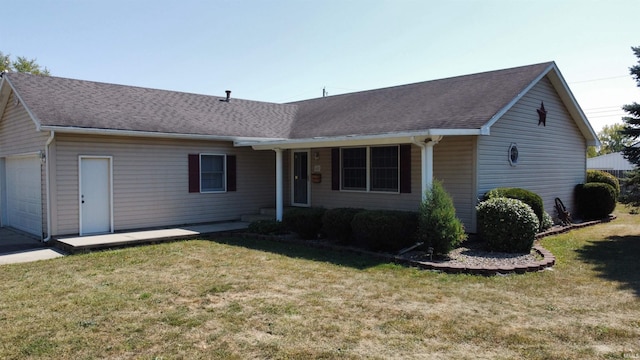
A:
483, 73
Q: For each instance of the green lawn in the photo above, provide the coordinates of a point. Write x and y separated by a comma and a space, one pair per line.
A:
246, 299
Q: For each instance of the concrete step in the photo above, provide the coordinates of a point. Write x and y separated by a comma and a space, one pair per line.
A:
268, 211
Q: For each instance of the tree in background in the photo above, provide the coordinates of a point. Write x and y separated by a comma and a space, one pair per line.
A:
611, 140
631, 132
21, 64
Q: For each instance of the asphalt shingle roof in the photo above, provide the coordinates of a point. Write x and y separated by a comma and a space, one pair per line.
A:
65, 102
462, 102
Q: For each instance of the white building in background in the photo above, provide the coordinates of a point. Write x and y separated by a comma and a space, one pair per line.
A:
613, 163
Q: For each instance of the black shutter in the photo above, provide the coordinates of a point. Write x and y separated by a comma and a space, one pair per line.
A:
405, 168
231, 173
335, 169
194, 173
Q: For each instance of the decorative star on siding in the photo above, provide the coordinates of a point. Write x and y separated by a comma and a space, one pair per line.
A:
542, 115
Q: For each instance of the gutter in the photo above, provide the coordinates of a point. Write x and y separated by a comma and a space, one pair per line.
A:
151, 134
48, 184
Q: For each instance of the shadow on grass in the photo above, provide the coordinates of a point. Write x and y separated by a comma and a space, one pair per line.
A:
616, 258
308, 252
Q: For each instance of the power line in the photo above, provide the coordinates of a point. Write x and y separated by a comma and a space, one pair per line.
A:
599, 79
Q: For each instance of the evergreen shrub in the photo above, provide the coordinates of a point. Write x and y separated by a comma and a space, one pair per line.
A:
385, 230
267, 227
597, 176
336, 223
528, 197
438, 226
306, 222
507, 225
594, 200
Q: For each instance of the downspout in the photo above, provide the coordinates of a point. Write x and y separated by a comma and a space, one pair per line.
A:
47, 183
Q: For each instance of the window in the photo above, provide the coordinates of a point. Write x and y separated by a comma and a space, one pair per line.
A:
384, 168
212, 170
210, 173
354, 169
370, 169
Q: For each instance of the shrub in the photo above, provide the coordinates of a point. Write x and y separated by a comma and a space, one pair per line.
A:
597, 176
438, 226
267, 227
385, 230
547, 221
528, 197
306, 222
336, 223
595, 200
507, 225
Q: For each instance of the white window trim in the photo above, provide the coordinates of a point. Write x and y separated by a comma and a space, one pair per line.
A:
368, 170
224, 173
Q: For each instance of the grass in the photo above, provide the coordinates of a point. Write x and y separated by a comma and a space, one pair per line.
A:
240, 299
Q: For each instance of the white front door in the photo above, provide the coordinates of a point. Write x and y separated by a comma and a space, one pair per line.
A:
95, 195
24, 190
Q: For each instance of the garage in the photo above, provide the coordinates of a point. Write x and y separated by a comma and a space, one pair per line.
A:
24, 196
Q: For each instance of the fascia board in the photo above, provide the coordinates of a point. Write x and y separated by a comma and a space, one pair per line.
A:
487, 126
33, 117
573, 107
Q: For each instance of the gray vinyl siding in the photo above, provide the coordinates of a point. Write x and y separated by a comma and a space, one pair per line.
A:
19, 135
453, 165
150, 182
552, 158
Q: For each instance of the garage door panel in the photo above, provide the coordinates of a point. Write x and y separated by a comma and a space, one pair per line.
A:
24, 201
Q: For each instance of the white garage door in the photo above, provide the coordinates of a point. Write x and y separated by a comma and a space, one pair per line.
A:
24, 201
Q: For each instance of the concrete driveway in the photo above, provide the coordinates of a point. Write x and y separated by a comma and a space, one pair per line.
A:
17, 247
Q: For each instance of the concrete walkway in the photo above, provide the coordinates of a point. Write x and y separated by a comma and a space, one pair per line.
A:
87, 243
19, 247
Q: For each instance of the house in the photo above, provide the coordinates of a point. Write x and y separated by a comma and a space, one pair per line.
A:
81, 157
613, 163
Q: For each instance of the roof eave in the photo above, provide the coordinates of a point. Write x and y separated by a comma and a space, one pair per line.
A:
150, 134
358, 140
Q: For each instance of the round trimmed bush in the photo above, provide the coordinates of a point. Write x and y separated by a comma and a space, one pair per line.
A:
336, 223
507, 225
528, 197
597, 176
595, 200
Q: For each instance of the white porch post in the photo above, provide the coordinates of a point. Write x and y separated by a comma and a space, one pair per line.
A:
279, 185
427, 163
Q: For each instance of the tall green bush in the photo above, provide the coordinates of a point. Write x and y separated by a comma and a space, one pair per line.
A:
438, 226
595, 200
597, 176
507, 225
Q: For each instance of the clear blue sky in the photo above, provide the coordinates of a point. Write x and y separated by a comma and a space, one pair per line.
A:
283, 51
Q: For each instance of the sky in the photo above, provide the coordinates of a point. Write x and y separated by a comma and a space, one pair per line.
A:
288, 50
